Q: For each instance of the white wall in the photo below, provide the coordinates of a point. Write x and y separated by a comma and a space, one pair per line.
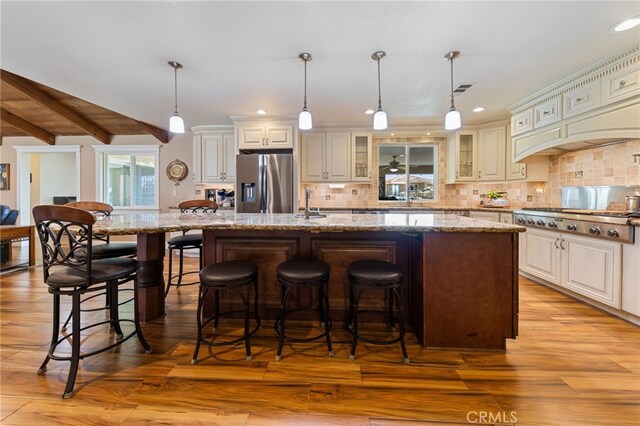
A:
180, 147
57, 176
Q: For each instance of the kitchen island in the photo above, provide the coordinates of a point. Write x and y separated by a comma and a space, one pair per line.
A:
461, 273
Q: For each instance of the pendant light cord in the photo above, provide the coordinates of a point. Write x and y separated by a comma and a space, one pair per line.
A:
379, 96
451, 60
305, 86
175, 80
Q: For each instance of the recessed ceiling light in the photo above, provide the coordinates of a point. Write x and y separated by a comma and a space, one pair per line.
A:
478, 109
369, 111
261, 111
627, 24
428, 133
393, 134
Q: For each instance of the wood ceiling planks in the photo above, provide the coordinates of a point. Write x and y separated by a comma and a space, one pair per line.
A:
33, 109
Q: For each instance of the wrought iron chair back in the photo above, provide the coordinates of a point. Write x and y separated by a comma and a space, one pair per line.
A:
198, 206
65, 235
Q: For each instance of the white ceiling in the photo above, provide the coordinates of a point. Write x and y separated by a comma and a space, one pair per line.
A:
240, 56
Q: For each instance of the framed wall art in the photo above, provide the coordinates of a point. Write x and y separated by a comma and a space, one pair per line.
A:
5, 177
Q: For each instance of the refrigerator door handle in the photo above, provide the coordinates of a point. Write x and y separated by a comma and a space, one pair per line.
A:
262, 177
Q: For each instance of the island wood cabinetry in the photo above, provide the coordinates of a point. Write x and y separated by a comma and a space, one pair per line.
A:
214, 154
447, 306
265, 135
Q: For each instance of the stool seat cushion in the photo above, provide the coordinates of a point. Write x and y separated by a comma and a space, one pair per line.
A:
229, 271
186, 240
376, 271
103, 251
101, 271
303, 270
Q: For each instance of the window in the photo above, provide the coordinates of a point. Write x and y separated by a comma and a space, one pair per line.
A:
127, 177
407, 172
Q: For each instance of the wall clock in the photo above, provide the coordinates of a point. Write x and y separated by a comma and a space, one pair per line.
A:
177, 171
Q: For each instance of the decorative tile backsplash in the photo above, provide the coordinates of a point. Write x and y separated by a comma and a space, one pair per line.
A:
604, 165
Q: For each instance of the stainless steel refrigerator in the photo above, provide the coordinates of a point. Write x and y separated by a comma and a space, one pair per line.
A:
264, 183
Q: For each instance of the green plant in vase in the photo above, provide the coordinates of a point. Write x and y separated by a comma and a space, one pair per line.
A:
493, 195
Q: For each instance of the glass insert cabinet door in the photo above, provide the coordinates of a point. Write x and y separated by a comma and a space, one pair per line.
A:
361, 156
407, 172
466, 156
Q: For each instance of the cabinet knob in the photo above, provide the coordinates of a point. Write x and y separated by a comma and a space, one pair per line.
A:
556, 243
479, 174
622, 83
578, 100
546, 112
520, 123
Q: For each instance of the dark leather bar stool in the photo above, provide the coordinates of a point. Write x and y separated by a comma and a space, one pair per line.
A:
70, 270
376, 274
303, 274
240, 276
187, 241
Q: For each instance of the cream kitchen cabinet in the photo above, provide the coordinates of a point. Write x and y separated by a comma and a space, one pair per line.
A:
325, 157
587, 266
462, 157
491, 154
536, 169
265, 135
214, 155
361, 154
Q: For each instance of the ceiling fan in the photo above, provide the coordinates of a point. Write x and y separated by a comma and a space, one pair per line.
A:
394, 165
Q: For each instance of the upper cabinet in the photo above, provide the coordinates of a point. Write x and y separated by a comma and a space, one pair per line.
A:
214, 154
491, 153
325, 157
335, 157
265, 135
598, 104
462, 155
361, 155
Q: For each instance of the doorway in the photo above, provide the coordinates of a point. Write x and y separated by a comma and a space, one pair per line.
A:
46, 175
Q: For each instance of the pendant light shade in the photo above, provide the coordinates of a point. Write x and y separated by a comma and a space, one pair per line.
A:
305, 121
380, 117
176, 124
452, 120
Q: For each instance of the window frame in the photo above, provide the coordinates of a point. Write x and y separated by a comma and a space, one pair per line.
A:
132, 150
407, 152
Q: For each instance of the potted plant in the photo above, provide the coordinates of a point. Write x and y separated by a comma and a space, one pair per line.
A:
496, 199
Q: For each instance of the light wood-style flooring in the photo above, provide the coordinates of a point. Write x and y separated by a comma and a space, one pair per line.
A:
571, 365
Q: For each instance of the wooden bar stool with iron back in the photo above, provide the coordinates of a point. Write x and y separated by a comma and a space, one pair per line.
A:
297, 274
240, 276
187, 241
376, 274
103, 248
66, 235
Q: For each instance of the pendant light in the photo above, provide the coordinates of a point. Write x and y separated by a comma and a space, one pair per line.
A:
452, 120
176, 125
380, 117
305, 121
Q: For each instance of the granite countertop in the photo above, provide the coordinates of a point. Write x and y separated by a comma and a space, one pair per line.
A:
152, 222
635, 222
417, 208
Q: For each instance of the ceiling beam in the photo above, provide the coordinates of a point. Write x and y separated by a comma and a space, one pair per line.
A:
52, 104
27, 127
160, 134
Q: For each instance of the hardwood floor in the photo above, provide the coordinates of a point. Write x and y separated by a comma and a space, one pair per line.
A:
571, 365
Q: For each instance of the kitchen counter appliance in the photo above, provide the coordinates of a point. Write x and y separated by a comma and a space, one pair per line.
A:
605, 224
593, 211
